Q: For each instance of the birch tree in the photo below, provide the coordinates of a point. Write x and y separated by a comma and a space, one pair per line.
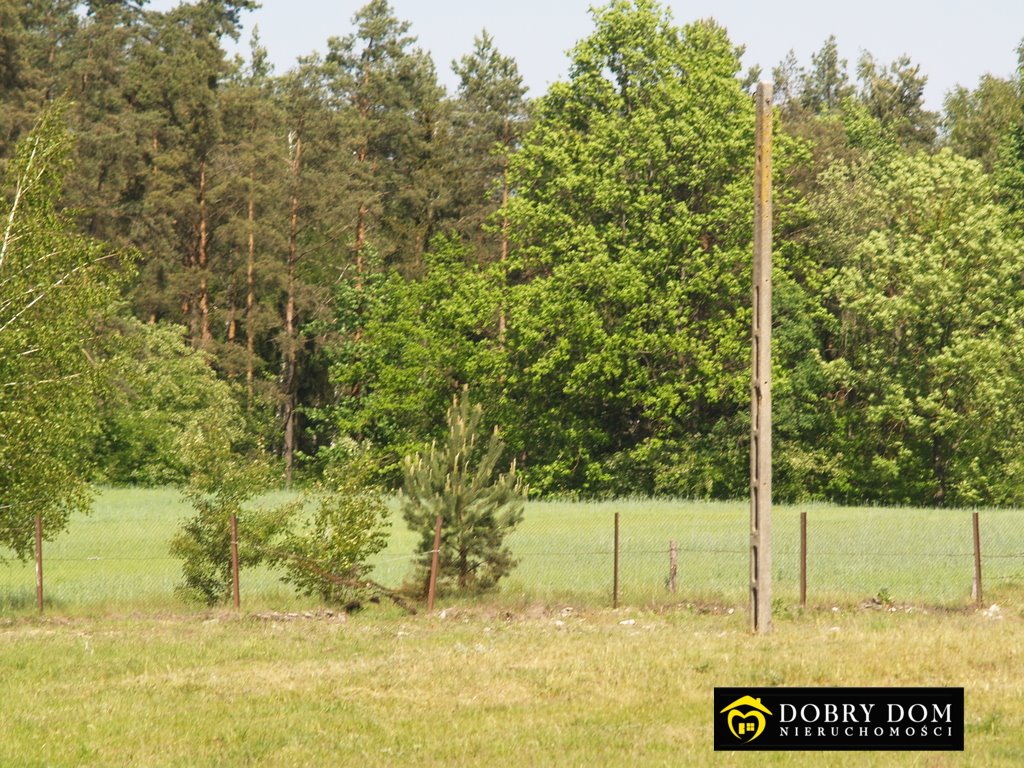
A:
54, 286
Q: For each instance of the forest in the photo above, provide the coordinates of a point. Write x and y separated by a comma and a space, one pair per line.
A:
285, 266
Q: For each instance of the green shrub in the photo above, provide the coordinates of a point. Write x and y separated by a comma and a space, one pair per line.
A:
225, 475
325, 554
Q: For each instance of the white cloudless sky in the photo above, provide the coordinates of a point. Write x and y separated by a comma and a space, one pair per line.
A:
954, 41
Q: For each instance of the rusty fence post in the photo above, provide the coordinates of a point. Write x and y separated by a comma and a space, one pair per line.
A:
39, 562
615, 564
976, 591
803, 559
235, 591
673, 565
435, 563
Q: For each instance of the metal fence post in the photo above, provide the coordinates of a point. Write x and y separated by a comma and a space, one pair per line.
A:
673, 565
803, 559
615, 565
435, 562
235, 591
976, 591
39, 562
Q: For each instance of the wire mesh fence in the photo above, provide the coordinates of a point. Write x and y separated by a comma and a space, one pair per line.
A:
119, 555
883, 555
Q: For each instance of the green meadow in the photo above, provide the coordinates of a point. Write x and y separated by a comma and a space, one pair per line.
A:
474, 685
118, 555
117, 671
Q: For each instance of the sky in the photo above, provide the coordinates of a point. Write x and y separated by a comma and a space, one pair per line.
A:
954, 41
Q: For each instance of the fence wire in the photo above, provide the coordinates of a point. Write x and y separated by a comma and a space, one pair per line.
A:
120, 555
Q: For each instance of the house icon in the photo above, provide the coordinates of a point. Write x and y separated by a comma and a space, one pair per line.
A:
750, 714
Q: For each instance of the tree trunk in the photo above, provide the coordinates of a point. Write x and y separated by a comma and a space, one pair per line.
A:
250, 305
291, 351
939, 467
364, 210
502, 315
203, 260
360, 242
463, 569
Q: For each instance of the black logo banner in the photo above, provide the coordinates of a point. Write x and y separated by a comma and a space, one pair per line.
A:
839, 719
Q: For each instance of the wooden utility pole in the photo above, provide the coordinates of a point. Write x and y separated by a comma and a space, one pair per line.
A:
761, 382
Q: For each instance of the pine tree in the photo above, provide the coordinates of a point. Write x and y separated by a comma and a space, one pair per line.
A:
33, 37
313, 260
479, 507
100, 75
977, 123
826, 86
894, 96
391, 105
176, 77
250, 239
488, 122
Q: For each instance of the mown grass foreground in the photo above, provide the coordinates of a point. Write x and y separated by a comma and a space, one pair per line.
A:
473, 686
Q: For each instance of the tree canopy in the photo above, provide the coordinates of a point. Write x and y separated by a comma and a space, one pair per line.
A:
329, 254
55, 287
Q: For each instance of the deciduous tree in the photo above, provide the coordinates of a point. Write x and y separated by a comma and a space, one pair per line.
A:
926, 369
628, 332
55, 286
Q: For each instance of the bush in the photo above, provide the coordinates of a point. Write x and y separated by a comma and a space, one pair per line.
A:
159, 387
325, 555
225, 475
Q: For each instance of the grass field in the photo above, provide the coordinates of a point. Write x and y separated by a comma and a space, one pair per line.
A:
474, 686
119, 672
118, 556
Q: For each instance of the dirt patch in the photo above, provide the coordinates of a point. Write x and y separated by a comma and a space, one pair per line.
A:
325, 614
